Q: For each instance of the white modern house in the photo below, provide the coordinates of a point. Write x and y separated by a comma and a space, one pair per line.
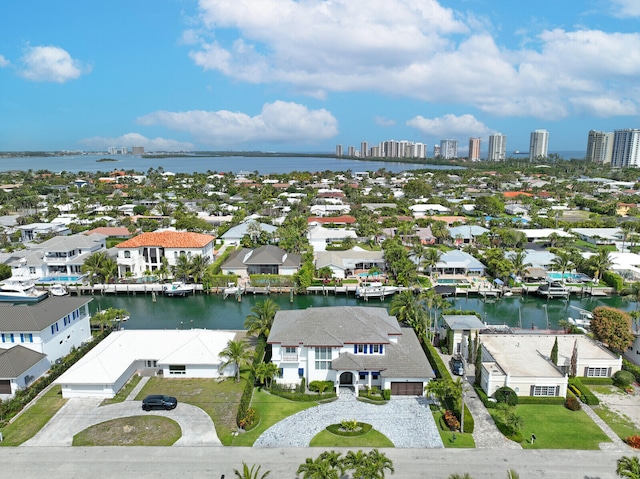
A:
267, 259
347, 263
102, 372
49, 329
320, 237
464, 328
522, 362
233, 236
354, 347
145, 251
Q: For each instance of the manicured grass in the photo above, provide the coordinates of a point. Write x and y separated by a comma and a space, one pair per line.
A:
131, 431
448, 438
556, 427
34, 418
219, 399
602, 389
371, 439
621, 425
124, 392
271, 409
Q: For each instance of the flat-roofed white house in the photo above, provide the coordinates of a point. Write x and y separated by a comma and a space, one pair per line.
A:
353, 347
346, 263
19, 367
145, 251
522, 362
267, 259
320, 237
423, 210
102, 372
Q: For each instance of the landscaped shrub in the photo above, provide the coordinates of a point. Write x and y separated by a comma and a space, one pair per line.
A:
572, 403
557, 400
320, 386
386, 394
451, 420
469, 423
439, 369
337, 429
612, 279
633, 441
623, 379
484, 398
247, 393
506, 395
297, 396
585, 393
632, 368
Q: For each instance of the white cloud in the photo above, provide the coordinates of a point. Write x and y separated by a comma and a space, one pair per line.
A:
450, 126
278, 122
625, 8
51, 64
4, 62
136, 139
419, 49
382, 121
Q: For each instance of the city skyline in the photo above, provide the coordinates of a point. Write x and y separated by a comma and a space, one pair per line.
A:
281, 75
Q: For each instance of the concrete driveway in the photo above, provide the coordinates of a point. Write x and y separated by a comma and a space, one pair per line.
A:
80, 413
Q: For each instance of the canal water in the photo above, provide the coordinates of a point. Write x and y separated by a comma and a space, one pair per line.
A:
214, 312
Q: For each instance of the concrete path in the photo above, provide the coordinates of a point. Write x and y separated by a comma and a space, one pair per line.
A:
406, 421
134, 392
616, 443
80, 413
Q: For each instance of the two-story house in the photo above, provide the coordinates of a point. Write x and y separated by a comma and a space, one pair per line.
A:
145, 251
50, 329
354, 347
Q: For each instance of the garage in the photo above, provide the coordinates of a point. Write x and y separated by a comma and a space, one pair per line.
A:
5, 386
407, 389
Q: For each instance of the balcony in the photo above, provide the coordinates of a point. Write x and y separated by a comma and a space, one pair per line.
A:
289, 358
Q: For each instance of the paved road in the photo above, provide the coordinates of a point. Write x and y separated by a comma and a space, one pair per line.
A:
212, 462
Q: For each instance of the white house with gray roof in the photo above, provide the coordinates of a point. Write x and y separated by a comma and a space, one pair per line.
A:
463, 329
353, 347
267, 259
346, 263
234, 235
19, 367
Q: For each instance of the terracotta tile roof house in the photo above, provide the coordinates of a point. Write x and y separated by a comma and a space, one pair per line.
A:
338, 220
145, 251
354, 347
110, 232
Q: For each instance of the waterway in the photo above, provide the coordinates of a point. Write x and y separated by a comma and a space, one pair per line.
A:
214, 312
192, 164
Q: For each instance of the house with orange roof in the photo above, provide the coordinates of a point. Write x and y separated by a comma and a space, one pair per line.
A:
145, 251
336, 220
515, 194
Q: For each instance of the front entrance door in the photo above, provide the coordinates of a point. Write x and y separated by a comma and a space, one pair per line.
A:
346, 379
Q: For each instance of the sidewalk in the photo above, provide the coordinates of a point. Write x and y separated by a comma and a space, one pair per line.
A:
616, 443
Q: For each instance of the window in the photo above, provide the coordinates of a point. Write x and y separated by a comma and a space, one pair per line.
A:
360, 348
544, 390
290, 350
375, 375
177, 369
376, 348
597, 372
3, 338
323, 358
127, 254
363, 375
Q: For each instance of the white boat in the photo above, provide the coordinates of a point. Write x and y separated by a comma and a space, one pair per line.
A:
231, 290
21, 290
374, 289
58, 290
553, 289
178, 288
584, 321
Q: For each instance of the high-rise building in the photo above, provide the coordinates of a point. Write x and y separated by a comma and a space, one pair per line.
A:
351, 151
474, 149
449, 149
338, 150
123, 150
497, 147
539, 144
599, 147
364, 149
626, 148
112, 150
436, 151
375, 152
137, 150
418, 150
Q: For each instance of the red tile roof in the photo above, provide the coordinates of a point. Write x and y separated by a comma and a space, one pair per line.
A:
332, 219
168, 239
515, 194
109, 231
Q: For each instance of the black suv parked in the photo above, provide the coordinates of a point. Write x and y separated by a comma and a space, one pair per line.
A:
158, 401
457, 365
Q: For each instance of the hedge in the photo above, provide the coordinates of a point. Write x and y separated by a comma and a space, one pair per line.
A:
586, 395
439, 369
273, 280
484, 398
559, 400
613, 280
632, 368
247, 393
297, 396
336, 429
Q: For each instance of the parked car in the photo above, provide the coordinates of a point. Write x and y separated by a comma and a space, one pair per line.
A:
457, 365
159, 401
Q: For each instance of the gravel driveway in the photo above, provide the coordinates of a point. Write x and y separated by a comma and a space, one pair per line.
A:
405, 421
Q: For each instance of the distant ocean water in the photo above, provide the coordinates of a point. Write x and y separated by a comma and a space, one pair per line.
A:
232, 164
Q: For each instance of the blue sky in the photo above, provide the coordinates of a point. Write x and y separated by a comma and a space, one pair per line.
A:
304, 75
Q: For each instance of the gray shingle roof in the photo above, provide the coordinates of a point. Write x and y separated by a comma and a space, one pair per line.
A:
458, 322
263, 255
17, 360
34, 318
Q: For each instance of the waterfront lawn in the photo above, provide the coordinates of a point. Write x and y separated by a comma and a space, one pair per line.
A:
131, 431
371, 439
271, 409
218, 398
124, 392
556, 427
33, 418
448, 438
621, 425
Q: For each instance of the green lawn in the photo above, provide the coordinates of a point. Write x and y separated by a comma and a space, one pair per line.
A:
449, 439
271, 409
621, 425
371, 439
131, 431
34, 418
556, 427
219, 399
604, 389
124, 392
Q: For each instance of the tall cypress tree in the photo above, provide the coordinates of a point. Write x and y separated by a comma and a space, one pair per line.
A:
554, 352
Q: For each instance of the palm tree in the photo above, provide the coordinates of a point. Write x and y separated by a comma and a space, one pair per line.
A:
432, 258
265, 372
319, 468
601, 262
632, 293
439, 230
93, 265
512, 474
520, 266
198, 266
182, 268
260, 320
374, 466
410, 309
562, 262
460, 476
419, 252
236, 353
628, 467
250, 472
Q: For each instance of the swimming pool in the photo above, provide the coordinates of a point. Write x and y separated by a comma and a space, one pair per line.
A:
452, 281
578, 277
61, 279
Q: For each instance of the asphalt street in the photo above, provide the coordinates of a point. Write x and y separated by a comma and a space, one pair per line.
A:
213, 462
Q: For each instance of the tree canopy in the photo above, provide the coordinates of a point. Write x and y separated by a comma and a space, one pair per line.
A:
613, 327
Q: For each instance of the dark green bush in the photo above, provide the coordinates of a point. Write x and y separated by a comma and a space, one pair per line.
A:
484, 398
316, 386
586, 395
297, 396
506, 395
386, 394
632, 368
439, 369
572, 403
623, 379
613, 280
559, 400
